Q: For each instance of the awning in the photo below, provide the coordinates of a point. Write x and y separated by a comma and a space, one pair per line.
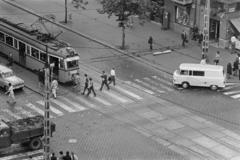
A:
236, 23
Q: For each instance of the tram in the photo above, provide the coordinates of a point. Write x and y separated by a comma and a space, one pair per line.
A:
28, 48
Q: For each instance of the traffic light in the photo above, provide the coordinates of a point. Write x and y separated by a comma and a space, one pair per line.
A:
120, 24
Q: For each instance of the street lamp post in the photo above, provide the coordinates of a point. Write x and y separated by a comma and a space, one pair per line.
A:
205, 43
47, 128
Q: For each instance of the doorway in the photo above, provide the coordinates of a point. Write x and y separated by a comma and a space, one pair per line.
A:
214, 29
22, 53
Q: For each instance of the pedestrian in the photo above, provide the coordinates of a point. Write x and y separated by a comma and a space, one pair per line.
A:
235, 67
233, 44
10, 60
74, 156
11, 97
113, 75
67, 156
86, 83
53, 157
40, 78
91, 88
77, 82
150, 42
184, 38
54, 87
203, 61
104, 80
200, 38
61, 156
229, 69
217, 58
194, 32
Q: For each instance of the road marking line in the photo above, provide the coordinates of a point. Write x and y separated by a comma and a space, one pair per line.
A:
54, 110
102, 101
76, 105
129, 93
115, 96
24, 112
12, 114
22, 155
30, 105
139, 87
236, 96
63, 105
233, 92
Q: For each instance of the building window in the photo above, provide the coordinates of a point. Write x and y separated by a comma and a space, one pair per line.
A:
2, 37
35, 53
9, 40
182, 15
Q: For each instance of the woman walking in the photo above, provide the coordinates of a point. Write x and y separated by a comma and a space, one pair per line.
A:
217, 58
11, 97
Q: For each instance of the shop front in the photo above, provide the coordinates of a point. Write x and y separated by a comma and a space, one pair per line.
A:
157, 14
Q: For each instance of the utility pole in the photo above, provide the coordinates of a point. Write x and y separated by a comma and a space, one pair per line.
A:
205, 43
65, 11
47, 128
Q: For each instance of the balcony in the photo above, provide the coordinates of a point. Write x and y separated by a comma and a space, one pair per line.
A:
183, 2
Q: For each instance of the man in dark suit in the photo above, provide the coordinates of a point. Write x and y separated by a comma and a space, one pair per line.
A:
104, 80
184, 38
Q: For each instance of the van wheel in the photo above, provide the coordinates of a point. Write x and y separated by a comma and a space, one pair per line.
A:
185, 85
35, 144
214, 87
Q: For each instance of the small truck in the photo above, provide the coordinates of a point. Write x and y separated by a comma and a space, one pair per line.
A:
27, 131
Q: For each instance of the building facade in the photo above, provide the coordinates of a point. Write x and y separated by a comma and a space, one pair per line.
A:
224, 18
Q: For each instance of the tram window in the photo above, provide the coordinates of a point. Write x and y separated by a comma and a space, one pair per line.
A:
43, 56
35, 53
15, 43
9, 40
28, 50
2, 37
61, 63
72, 64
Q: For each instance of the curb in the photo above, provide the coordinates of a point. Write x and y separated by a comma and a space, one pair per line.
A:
89, 37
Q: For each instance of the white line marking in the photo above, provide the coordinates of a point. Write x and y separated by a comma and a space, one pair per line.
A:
139, 87
129, 93
22, 155
233, 92
236, 96
63, 105
76, 105
24, 112
33, 107
54, 110
12, 114
115, 96
102, 101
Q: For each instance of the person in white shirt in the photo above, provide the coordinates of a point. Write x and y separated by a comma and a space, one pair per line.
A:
233, 44
54, 87
203, 61
74, 156
113, 75
11, 97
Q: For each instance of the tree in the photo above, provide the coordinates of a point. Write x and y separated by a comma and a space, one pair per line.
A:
77, 4
126, 8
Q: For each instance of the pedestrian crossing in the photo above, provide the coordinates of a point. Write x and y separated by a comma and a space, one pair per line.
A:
232, 91
69, 103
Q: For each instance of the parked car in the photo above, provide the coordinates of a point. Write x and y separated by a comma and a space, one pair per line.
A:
7, 76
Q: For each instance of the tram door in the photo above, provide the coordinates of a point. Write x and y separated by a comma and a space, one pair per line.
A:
55, 69
22, 53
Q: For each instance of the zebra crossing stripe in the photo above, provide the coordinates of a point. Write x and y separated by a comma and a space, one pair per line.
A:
54, 110
102, 101
115, 96
28, 114
232, 92
63, 105
22, 155
129, 93
76, 105
33, 107
12, 114
236, 96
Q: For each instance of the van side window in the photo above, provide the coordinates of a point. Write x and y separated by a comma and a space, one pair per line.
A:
198, 73
190, 73
184, 72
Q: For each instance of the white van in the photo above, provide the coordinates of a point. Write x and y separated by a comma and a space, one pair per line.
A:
190, 74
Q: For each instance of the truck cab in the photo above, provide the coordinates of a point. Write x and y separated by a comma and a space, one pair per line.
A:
5, 135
